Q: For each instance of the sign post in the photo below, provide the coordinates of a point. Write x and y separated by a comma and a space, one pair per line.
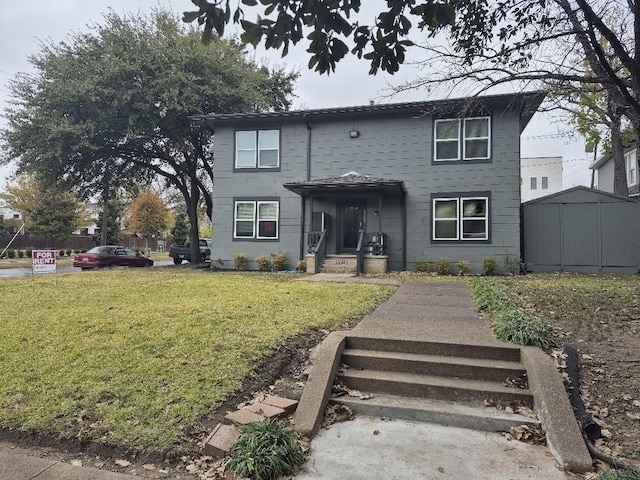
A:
44, 261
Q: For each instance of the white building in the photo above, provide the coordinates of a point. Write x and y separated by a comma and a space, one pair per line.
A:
603, 172
540, 176
8, 214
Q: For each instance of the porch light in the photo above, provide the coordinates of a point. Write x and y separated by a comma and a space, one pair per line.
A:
354, 133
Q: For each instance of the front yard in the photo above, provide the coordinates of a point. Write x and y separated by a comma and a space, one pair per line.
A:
134, 358
600, 315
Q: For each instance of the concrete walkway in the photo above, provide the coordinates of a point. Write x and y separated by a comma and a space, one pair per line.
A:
17, 464
373, 448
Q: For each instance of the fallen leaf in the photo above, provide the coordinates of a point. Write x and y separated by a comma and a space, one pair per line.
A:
149, 466
76, 463
123, 463
376, 432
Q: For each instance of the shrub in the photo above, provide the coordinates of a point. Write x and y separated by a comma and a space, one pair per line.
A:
11, 253
265, 450
263, 263
421, 265
239, 260
443, 266
464, 267
301, 266
68, 251
29, 252
625, 474
511, 264
61, 253
509, 320
20, 253
279, 260
490, 266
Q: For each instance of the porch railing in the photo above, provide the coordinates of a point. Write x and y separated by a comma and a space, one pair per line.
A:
319, 249
360, 252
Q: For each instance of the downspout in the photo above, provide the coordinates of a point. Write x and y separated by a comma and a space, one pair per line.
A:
303, 203
404, 231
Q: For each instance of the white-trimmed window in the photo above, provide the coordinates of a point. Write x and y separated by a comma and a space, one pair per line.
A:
534, 183
256, 219
632, 168
545, 183
461, 218
257, 149
462, 139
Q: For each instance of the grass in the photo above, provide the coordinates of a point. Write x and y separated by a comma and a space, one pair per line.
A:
509, 319
134, 358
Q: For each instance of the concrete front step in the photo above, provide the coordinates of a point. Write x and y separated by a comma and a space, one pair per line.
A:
339, 264
439, 365
473, 392
500, 353
436, 411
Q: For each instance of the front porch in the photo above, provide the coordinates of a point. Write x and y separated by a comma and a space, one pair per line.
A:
353, 218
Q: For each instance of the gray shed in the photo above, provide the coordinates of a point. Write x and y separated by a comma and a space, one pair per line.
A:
581, 230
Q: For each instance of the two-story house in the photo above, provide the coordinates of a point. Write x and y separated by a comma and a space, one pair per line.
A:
399, 182
540, 176
603, 171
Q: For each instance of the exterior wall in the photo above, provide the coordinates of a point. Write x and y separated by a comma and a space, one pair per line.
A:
582, 230
605, 177
397, 148
9, 214
538, 167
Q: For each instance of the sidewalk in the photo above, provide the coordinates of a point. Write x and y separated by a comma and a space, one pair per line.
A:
15, 464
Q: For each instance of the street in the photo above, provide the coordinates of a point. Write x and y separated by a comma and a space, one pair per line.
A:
20, 272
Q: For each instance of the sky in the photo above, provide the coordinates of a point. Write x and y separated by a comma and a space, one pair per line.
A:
23, 24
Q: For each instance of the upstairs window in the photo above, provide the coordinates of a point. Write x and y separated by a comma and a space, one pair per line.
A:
545, 183
632, 171
257, 149
462, 139
534, 183
256, 219
461, 218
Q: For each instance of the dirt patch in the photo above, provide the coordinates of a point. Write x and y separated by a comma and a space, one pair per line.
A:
600, 315
283, 373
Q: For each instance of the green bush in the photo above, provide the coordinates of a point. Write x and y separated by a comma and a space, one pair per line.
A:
68, 251
301, 266
279, 260
443, 266
421, 265
265, 450
11, 253
263, 263
464, 267
20, 253
511, 264
239, 260
61, 253
490, 266
29, 252
509, 320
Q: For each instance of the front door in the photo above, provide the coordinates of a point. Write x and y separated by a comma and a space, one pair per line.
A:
352, 217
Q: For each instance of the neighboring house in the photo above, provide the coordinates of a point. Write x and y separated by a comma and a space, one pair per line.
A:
422, 180
8, 214
603, 172
92, 212
540, 176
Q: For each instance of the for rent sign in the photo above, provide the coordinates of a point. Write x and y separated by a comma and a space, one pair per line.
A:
44, 261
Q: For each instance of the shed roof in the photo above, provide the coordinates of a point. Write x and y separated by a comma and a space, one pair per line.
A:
525, 103
578, 194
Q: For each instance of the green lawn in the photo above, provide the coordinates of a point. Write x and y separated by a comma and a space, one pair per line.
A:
135, 357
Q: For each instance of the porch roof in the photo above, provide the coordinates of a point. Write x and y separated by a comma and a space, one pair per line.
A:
348, 183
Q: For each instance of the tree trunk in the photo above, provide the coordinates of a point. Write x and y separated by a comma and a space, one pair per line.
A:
617, 150
192, 212
105, 209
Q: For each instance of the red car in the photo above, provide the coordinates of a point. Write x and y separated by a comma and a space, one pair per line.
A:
111, 256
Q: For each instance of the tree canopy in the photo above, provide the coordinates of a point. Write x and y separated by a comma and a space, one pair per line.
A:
148, 215
112, 105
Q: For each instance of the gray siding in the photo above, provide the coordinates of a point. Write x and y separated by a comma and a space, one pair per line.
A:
398, 148
582, 230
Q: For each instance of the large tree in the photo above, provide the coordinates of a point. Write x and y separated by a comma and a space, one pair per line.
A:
106, 104
148, 215
47, 209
